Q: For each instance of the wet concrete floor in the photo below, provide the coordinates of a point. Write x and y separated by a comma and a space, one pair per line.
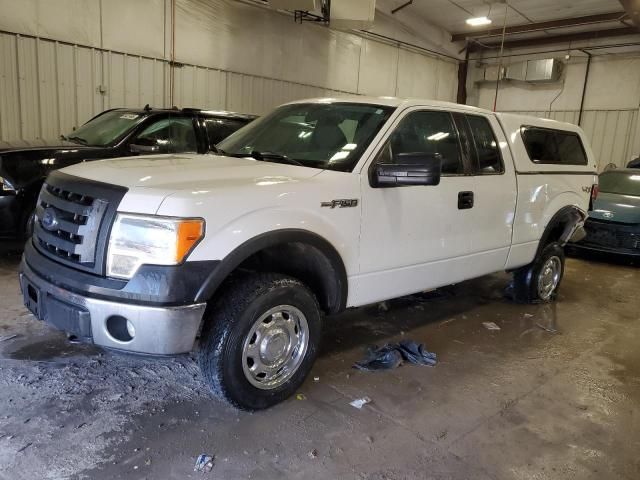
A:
554, 394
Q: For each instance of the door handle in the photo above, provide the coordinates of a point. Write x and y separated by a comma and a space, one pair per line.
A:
465, 200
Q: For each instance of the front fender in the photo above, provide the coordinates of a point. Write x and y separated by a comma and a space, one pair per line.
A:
341, 235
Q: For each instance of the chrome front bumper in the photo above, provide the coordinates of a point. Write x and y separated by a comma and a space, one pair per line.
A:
158, 330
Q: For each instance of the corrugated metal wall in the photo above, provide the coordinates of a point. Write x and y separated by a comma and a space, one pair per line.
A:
47, 87
612, 132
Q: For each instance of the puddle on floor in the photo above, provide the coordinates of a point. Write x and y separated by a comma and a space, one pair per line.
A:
52, 348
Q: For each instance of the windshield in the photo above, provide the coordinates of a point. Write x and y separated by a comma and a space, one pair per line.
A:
105, 129
319, 135
623, 183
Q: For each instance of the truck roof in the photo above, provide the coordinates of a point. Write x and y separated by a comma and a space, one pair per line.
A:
390, 102
213, 113
423, 102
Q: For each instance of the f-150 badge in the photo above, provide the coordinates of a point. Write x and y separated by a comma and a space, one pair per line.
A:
341, 203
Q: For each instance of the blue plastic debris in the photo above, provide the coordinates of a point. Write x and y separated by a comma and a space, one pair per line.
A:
394, 354
204, 463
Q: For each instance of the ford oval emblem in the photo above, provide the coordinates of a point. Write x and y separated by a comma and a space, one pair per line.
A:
50, 219
607, 214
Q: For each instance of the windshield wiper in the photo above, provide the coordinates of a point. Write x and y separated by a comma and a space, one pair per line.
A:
276, 157
79, 140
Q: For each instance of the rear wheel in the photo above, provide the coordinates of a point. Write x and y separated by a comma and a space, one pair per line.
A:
539, 281
260, 340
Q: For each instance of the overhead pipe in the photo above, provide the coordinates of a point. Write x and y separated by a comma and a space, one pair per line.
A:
504, 33
584, 87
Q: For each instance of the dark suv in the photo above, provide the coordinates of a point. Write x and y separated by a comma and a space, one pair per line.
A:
114, 133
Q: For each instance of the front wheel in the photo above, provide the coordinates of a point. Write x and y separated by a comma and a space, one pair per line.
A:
539, 281
260, 340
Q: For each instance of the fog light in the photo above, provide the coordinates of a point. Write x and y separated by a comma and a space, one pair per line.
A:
120, 328
131, 330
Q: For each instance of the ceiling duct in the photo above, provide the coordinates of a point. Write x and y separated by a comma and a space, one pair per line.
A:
531, 71
352, 14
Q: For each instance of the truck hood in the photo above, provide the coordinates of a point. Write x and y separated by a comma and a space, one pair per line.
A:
614, 207
40, 144
191, 172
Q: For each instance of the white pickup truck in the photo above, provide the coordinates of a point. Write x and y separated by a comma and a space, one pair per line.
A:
319, 206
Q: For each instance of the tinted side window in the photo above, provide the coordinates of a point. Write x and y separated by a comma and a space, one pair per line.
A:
171, 135
488, 159
218, 129
540, 145
570, 149
426, 132
553, 146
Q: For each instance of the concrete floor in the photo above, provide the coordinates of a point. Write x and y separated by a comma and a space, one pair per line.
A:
553, 395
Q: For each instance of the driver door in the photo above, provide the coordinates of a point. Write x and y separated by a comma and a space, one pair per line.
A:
415, 237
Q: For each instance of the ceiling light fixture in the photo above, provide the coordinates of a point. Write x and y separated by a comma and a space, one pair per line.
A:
478, 21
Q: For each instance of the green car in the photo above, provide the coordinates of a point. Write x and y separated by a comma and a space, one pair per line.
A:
614, 223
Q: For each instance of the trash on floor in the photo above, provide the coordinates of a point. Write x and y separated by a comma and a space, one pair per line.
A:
313, 453
546, 329
4, 338
490, 326
393, 355
360, 402
204, 463
301, 396
383, 307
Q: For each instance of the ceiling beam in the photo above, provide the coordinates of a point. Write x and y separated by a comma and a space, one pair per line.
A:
573, 37
539, 26
632, 7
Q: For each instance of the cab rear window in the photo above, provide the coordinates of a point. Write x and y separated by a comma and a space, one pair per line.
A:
546, 145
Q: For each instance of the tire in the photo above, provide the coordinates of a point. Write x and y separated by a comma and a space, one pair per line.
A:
539, 281
261, 323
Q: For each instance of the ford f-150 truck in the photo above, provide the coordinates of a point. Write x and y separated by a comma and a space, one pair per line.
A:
319, 206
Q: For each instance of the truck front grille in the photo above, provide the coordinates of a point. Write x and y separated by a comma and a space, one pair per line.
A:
73, 219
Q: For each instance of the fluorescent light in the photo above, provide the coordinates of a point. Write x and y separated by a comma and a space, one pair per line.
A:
478, 21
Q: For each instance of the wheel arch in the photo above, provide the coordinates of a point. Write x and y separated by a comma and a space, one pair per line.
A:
299, 253
562, 226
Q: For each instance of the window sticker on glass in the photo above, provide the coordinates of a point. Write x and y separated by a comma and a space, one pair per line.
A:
129, 116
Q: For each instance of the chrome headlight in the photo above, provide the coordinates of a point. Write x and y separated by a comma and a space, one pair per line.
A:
148, 239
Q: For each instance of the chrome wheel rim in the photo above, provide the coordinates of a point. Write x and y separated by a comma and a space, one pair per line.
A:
275, 347
549, 277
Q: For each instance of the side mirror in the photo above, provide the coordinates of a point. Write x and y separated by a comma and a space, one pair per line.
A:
408, 169
144, 148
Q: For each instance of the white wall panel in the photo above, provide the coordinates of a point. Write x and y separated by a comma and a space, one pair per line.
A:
28, 87
66, 77
134, 26
378, 69
417, 75
74, 21
447, 81
9, 97
86, 84
48, 89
